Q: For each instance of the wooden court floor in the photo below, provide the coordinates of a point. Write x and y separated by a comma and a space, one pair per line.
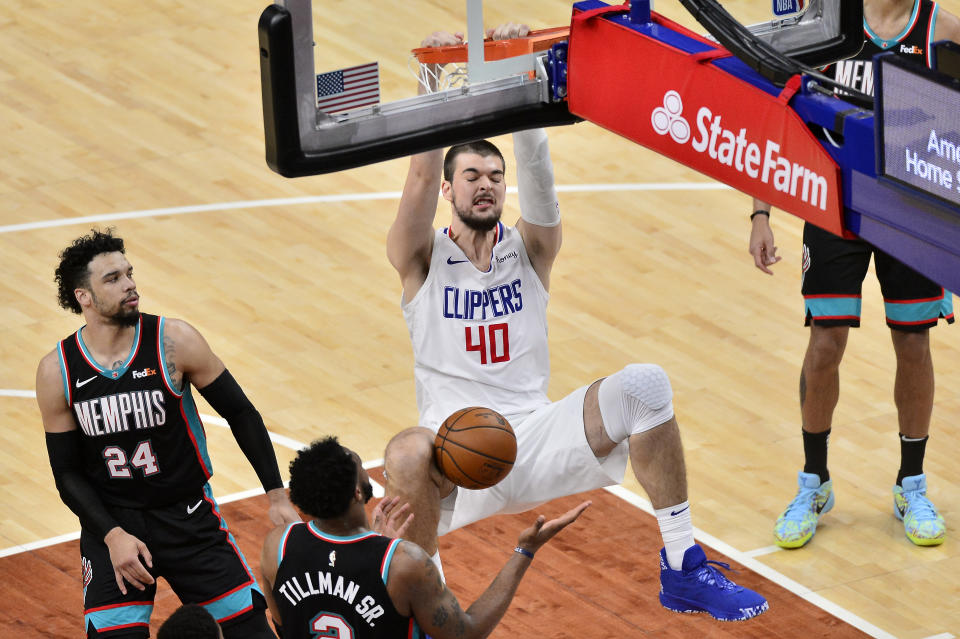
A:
156, 128
581, 584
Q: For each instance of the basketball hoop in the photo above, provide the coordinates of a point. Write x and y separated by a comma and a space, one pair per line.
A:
442, 68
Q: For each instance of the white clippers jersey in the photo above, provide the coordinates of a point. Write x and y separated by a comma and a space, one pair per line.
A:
479, 339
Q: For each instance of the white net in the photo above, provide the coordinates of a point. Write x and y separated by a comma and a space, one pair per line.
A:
438, 77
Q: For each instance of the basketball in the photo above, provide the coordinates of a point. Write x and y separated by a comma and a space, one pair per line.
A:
475, 447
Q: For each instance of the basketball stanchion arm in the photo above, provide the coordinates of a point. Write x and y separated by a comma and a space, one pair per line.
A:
714, 113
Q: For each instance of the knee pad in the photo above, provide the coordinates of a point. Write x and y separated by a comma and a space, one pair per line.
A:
635, 400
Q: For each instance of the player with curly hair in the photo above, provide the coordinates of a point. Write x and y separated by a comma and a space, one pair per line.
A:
334, 577
129, 457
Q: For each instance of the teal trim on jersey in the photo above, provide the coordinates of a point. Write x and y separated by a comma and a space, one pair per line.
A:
877, 40
196, 427
232, 604
326, 535
111, 373
283, 542
832, 307
161, 324
119, 616
415, 631
63, 373
919, 312
385, 573
931, 36
233, 542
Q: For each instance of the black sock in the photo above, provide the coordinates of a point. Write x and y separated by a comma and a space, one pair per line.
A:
815, 454
911, 457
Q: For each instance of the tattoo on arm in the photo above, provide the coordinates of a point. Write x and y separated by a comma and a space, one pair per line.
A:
803, 388
168, 353
440, 616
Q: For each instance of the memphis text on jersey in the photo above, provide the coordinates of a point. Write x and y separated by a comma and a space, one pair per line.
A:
121, 412
320, 582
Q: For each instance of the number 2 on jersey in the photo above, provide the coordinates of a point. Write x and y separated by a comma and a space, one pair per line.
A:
492, 342
143, 458
328, 624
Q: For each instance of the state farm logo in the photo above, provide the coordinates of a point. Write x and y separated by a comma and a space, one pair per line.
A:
758, 159
667, 119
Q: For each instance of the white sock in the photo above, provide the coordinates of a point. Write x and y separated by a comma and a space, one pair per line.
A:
435, 558
676, 528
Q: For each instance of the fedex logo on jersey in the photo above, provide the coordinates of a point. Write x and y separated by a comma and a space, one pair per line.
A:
757, 158
121, 412
469, 304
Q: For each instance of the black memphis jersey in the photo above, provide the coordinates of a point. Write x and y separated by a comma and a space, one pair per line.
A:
329, 586
143, 443
912, 43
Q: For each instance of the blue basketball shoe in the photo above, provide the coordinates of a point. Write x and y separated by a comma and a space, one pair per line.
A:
700, 587
795, 525
921, 521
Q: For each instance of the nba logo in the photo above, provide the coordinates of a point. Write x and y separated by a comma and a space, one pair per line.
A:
787, 7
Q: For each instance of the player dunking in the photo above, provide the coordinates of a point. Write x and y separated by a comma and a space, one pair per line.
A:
129, 456
334, 577
833, 272
474, 298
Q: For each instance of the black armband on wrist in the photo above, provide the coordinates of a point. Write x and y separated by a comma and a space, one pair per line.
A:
75, 489
759, 212
227, 398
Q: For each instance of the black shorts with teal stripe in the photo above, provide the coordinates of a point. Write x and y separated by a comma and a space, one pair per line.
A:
192, 549
833, 272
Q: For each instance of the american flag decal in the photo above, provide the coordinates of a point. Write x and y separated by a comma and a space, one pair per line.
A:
349, 88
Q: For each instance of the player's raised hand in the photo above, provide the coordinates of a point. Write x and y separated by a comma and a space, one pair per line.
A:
125, 553
543, 531
387, 515
508, 30
442, 39
761, 244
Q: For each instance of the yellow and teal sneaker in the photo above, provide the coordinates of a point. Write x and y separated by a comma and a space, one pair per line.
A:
921, 521
795, 525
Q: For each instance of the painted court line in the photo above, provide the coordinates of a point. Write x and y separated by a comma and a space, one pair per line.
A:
766, 550
744, 558
327, 199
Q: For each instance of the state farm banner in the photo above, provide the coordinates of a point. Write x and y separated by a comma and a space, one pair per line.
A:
686, 109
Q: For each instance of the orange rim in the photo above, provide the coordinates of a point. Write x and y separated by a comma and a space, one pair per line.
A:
539, 40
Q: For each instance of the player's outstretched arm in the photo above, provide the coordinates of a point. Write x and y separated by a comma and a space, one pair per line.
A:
761, 238
539, 223
76, 491
416, 588
410, 239
188, 358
